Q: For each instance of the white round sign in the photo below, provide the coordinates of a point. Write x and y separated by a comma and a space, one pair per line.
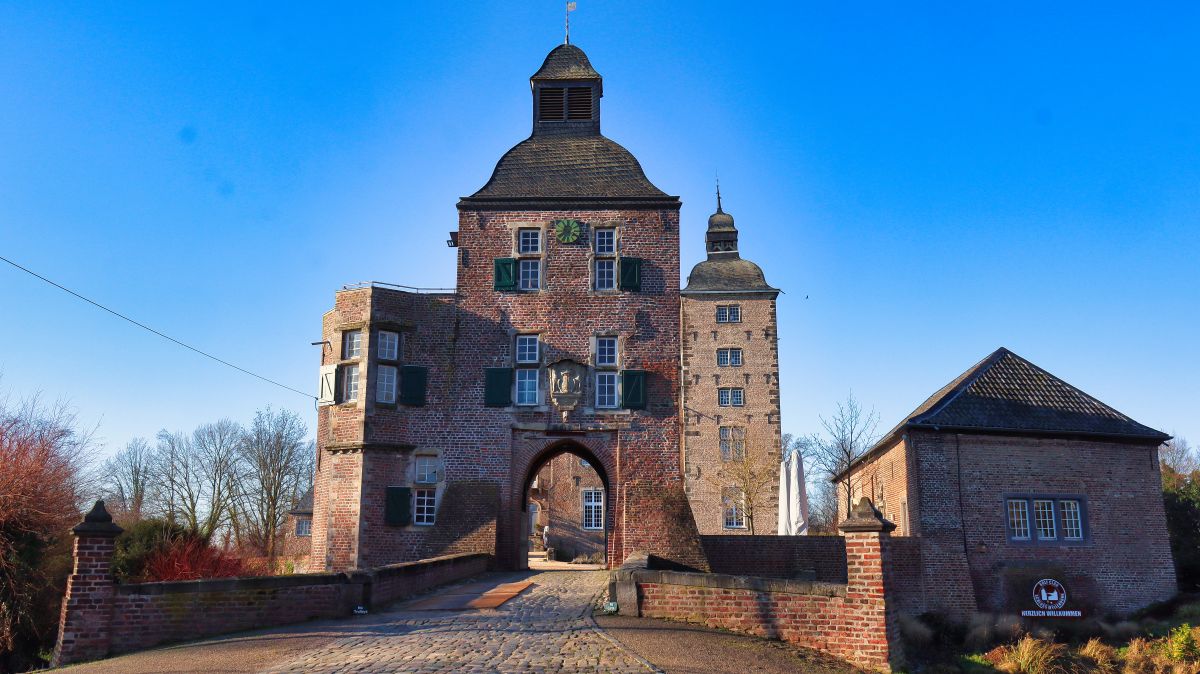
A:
1049, 594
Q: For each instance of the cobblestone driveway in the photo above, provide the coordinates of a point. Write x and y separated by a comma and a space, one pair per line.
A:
544, 629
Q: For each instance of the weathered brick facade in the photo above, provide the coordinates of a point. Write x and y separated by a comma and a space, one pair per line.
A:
562, 485
948, 488
488, 453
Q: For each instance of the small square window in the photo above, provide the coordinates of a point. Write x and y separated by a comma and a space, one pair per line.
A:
527, 386
733, 443
731, 397
729, 313
424, 506
529, 241
389, 345
733, 502
527, 348
606, 351
303, 526
531, 274
426, 470
606, 242
606, 274
351, 344
729, 357
349, 383
606, 389
385, 384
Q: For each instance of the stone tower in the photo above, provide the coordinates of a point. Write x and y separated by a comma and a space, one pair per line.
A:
561, 336
730, 358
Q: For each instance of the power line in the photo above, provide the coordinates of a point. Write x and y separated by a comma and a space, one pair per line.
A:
147, 327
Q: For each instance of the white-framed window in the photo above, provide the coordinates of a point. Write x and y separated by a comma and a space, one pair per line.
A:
1018, 519
606, 274
426, 470
606, 351
593, 509
606, 389
530, 274
424, 506
731, 397
303, 526
1072, 519
1043, 517
729, 313
527, 386
527, 348
349, 383
734, 504
389, 345
385, 384
606, 242
733, 443
529, 241
351, 344
729, 357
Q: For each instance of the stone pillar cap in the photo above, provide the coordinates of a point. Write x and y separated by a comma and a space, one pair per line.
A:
97, 523
864, 517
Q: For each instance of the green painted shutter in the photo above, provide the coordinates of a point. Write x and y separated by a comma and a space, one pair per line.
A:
412, 384
506, 273
631, 273
633, 389
497, 390
397, 509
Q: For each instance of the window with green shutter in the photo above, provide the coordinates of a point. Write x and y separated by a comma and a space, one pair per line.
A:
633, 389
505, 273
631, 273
412, 384
397, 509
497, 389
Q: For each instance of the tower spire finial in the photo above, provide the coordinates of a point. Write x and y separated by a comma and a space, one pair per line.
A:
719, 196
570, 8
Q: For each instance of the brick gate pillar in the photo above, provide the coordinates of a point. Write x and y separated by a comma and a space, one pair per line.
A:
869, 581
83, 624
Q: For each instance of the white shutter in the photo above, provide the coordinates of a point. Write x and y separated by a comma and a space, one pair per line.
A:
328, 385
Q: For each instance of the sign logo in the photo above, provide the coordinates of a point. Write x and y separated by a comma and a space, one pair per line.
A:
1050, 596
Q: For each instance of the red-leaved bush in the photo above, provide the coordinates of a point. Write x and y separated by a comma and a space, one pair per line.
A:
192, 559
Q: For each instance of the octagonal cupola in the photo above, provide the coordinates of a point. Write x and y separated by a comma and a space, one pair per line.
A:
566, 94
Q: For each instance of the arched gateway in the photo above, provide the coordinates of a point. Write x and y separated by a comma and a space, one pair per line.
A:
562, 335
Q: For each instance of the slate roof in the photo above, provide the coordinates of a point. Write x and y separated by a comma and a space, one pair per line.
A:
305, 506
1004, 393
731, 274
589, 168
566, 62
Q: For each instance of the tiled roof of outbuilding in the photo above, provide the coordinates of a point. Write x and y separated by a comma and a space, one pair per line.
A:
568, 166
305, 506
1004, 393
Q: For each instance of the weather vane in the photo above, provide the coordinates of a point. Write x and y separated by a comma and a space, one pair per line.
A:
570, 8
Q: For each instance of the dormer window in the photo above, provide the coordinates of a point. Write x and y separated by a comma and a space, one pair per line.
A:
560, 104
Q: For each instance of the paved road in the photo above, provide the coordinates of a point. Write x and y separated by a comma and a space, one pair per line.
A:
545, 629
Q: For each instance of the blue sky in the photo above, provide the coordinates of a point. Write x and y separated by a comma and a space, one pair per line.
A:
927, 182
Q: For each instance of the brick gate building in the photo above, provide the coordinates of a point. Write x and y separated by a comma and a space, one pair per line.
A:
562, 335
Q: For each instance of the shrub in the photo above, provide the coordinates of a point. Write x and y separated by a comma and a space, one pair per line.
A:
191, 559
1181, 644
139, 543
1033, 656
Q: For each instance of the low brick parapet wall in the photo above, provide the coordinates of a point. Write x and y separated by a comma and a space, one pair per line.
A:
801, 557
101, 617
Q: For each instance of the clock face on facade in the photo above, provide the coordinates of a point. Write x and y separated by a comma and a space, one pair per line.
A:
567, 231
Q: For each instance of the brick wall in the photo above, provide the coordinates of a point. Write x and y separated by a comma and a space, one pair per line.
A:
705, 470
821, 558
887, 481
560, 485
100, 617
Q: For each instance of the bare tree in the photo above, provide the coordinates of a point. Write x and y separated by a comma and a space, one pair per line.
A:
849, 433
276, 469
215, 448
823, 507
127, 480
1177, 455
750, 480
179, 478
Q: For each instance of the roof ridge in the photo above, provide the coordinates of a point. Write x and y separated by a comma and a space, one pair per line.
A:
965, 381
1087, 396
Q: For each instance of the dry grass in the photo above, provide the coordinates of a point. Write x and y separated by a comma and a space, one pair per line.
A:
1099, 656
1034, 656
